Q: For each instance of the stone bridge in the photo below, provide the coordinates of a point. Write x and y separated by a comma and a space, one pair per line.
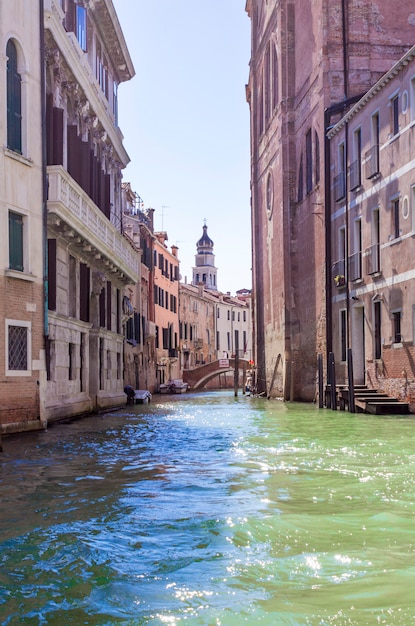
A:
199, 376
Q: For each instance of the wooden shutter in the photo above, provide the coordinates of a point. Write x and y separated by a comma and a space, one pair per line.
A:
84, 289
16, 241
109, 305
52, 274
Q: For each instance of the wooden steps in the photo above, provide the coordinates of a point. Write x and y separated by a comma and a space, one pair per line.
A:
370, 401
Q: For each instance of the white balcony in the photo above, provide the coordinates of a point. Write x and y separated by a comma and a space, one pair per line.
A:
73, 215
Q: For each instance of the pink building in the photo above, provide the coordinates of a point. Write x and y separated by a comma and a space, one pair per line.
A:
166, 300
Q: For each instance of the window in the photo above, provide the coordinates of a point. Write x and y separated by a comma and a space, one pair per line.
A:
339, 179
109, 364
395, 114
115, 105
81, 26
372, 156
18, 348
267, 83
14, 100
396, 321
355, 166
71, 357
377, 329
309, 162
300, 189
316, 158
16, 241
413, 98
373, 253
355, 267
275, 78
395, 218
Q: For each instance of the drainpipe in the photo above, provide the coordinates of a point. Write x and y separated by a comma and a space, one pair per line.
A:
44, 184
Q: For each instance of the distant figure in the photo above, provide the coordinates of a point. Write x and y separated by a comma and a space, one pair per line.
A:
129, 391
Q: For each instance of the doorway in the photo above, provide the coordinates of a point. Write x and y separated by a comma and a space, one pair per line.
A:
358, 344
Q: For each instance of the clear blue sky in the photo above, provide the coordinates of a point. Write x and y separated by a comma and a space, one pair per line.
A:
185, 120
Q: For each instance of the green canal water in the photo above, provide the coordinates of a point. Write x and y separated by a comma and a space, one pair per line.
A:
206, 509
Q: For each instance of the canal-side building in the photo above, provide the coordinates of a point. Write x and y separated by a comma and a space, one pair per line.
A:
22, 236
166, 302
372, 183
309, 60
197, 325
233, 327
90, 262
138, 300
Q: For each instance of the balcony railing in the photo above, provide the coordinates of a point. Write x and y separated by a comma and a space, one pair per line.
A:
355, 177
373, 259
77, 217
339, 187
372, 161
355, 266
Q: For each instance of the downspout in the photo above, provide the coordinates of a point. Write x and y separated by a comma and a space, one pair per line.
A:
44, 185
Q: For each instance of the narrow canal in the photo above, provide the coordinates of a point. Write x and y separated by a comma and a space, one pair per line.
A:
210, 510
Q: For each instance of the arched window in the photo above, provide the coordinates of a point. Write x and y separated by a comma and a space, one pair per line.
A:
274, 79
14, 100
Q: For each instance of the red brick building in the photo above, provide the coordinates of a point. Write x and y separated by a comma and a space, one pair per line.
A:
310, 61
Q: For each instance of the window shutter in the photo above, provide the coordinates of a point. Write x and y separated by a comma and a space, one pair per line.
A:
16, 241
109, 305
52, 274
14, 100
84, 289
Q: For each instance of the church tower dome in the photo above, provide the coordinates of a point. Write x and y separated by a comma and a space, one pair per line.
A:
205, 271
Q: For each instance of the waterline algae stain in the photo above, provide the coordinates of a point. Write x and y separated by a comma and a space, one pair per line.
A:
210, 510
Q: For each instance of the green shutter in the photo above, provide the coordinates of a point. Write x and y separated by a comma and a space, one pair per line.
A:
16, 241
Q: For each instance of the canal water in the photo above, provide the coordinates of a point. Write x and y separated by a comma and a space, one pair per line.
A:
206, 509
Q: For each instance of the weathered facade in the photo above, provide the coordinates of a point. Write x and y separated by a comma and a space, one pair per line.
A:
166, 301
197, 325
309, 60
372, 175
138, 301
22, 329
89, 260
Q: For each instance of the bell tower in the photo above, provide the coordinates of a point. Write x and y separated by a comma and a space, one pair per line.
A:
205, 271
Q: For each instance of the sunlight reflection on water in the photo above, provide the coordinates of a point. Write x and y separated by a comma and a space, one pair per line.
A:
210, 510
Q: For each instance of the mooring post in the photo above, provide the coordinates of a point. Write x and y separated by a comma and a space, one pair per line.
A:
352, 406
320, 380
333, 399
236, 372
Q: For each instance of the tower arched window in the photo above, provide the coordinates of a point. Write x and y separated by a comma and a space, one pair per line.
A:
14, 100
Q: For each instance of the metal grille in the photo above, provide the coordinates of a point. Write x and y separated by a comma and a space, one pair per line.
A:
17, 348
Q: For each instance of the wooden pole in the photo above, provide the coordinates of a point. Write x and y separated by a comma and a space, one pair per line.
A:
236, 372
333, 400
320, 380
352, 406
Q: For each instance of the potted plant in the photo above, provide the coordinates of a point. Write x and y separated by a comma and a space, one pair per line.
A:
340, 280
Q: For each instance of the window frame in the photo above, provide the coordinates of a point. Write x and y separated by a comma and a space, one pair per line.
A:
14, 98
28, 326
